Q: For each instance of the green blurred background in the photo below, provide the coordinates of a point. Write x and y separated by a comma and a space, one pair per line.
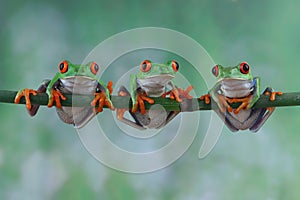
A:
42, 158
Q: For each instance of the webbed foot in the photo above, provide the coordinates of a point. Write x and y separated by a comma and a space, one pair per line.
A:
269, 92
55, 96
102, 100
174, 94
223, 104
206, 98
244, 103
25, 93
185, 93
140, 98
272, 94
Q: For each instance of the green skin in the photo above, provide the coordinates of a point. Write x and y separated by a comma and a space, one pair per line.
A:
159, 73
150, 82
76, 70
234, 73
77, 79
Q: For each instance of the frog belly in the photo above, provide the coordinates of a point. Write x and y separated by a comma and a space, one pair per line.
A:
79, 116
78, 85
236, 88
154, 86
154, 90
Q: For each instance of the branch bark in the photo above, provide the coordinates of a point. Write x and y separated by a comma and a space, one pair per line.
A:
286, 99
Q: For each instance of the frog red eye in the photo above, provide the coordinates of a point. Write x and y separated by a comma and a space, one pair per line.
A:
215, 70
94, 68
63, 67
175, 65
244, 68
145, 66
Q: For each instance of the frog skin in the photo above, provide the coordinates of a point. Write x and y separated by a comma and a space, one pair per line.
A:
72, 79
236, 84
151, 81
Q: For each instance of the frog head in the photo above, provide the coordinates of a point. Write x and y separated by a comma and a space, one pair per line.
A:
67, 69
77, 78
149, 70
239, 72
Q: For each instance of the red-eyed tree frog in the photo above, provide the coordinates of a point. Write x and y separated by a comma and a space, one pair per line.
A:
72, 79
152, 80
236, 84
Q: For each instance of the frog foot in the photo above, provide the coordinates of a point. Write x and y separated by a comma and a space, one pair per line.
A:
206, 98
55, 96
175, 94
272, 94
223, 104
109, 87
185, 93
244, 103
102, 100
140, 98
26, 93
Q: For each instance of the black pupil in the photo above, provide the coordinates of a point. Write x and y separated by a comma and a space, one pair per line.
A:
214, 71
246, 68
176, 65
96, 67
61, 66
144, 66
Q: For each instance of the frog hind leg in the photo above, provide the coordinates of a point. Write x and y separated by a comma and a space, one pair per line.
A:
170, 116
261, 119
265, 113
185, 105
41, 89
222, 115
121, 111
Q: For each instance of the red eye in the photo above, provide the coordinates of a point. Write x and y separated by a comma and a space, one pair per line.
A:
94, 68
175, 65
145, 66
215, 70
63, 67
244, 68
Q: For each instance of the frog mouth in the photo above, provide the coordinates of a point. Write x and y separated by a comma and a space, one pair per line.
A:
236, 88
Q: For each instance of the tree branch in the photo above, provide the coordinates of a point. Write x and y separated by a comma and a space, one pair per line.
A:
286, 99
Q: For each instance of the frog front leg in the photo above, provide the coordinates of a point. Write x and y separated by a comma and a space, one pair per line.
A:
32, 109
265, 112
54, 93
216, 95
179, 93
248, 101
102, 97
121, 111
138, 97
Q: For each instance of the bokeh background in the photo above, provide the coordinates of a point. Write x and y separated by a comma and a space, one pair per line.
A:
42, 158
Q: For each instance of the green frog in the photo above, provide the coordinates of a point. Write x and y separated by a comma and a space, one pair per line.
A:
152, 80
72, 79
236, 84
